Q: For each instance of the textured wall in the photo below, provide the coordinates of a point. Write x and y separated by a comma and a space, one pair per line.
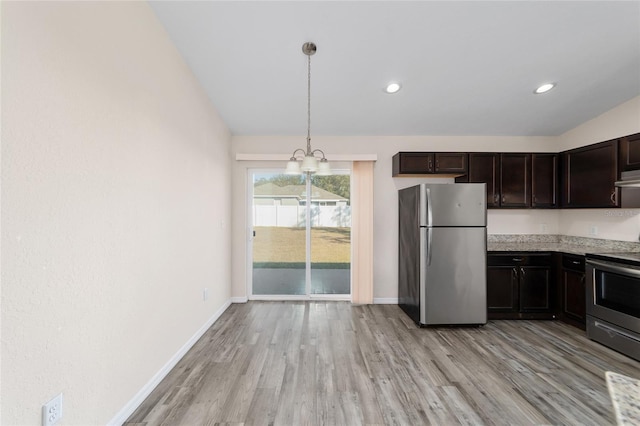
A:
115, 206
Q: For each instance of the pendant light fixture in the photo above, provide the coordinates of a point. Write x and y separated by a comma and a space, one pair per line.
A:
310, 162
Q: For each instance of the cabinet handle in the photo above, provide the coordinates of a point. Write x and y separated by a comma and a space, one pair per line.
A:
504, 199
613, 197
575, 262
430, 164
522, 272
517, 259
495, 199
514, 274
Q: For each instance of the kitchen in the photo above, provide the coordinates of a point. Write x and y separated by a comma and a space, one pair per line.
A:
609, 223
109, 234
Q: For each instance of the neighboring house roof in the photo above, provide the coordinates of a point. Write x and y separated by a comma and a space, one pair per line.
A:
271, 190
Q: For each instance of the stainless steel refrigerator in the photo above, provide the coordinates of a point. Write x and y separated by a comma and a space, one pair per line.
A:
442, 253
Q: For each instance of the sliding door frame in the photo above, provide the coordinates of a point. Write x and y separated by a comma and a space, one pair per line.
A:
250, 237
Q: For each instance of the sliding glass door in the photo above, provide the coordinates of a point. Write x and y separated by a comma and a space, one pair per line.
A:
301, 229
330, 230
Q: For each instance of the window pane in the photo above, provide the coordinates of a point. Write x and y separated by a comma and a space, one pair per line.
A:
279, 244
330, 234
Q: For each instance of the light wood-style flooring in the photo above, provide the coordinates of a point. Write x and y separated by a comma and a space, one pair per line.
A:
332, 363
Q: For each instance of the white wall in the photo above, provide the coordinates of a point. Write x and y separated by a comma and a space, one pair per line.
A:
525, 221
115, 187
620, 121
611, 224
385, 187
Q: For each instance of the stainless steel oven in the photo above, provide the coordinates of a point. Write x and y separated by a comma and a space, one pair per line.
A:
613, 301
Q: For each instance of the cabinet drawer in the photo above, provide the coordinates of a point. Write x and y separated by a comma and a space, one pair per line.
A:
573, 262
519, 259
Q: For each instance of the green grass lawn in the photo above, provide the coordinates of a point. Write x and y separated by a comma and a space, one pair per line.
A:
275, 247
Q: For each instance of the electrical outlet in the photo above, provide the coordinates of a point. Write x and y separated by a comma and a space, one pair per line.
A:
593, 230
205, 294
52, 411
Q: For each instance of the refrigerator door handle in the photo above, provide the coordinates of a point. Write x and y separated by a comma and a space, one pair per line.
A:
429, 210
429, 236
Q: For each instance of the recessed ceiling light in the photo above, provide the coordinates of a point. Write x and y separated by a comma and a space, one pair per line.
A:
544, 88
392, 87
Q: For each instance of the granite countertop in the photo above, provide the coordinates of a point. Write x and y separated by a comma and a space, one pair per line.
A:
558, 243
553, 247
625, 396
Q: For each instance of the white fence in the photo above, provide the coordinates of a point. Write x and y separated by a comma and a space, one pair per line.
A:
291, 216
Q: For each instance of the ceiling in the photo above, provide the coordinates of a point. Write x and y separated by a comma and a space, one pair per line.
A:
466, 68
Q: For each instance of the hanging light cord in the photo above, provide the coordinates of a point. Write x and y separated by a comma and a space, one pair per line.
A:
309, 49
309, 105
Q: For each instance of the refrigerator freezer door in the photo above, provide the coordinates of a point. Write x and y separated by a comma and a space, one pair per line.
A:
463, 204
453, 278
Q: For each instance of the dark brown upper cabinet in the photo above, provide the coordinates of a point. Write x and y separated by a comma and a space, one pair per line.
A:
484, 167
508, 178
589, 174
419, 163
630, 152
450, 162
544, 180
515, 180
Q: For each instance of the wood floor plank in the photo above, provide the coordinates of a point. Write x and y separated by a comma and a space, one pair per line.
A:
333, 363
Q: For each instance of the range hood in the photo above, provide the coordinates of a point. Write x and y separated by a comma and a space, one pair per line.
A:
629, 179
629, 185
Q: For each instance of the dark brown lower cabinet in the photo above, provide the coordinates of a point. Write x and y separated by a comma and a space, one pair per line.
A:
502, 289
535, 288
572, 290
520, 286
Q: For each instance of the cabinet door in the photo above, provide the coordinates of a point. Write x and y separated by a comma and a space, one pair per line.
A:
412, 163
589, 174
630, 152
515, 184
502, 289
485, 167
535, 289
450, 162
544, 180
574, 296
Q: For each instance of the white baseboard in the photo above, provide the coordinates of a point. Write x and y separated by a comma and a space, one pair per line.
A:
139, 397
239, 299
385, 301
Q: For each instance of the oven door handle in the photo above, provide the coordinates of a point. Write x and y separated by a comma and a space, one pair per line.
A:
613, 331
614, 268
